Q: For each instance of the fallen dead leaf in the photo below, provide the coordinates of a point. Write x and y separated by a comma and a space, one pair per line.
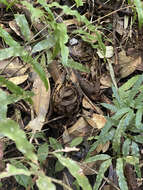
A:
105, 81
41, 101
128, 64
9, 66
96, 121
19, 79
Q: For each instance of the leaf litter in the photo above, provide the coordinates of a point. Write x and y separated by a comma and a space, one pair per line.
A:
75, 96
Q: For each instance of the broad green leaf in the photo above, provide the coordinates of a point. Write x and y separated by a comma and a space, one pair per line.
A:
76, 141
126, 147
42, 152
23, 180
110, 107
24, 27
139, 8
104, 166
11, 52
11, 129
54, 144
12, 170
75, 170
120, 174
36, 13
43, 182
44, 44
79, 3
8, 39
75, 65
97, 157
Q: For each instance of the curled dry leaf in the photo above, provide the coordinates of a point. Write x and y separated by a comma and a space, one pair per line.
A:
79, 129
105, 81
96, 121
41, 101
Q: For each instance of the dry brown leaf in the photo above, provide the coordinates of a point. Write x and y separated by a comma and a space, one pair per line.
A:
41, 102
71, 22
128, 64
13, 25
19, 79
79, 129
9, 66
86, 104
105, 81
96, 121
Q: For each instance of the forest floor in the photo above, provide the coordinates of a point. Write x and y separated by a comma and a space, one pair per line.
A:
71, 110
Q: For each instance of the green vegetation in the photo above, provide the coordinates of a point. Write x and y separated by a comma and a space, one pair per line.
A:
127, 107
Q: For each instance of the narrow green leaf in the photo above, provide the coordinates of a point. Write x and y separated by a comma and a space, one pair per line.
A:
127, 85
44, 44
120, 113
24, 27
117, 137
100, 42
139, 8
37, 68
43, 182
120, 174
133, 160
43, 152
12, 170
135, 88
75, 170
97, 157
138, 138
135, 149
11, 129
75, 65
104, 166
11, 52
23, 180
54, 144
76, 141
7, 38
110, 107
59, 167
36, 13
126, 147
79, 3
138, 120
